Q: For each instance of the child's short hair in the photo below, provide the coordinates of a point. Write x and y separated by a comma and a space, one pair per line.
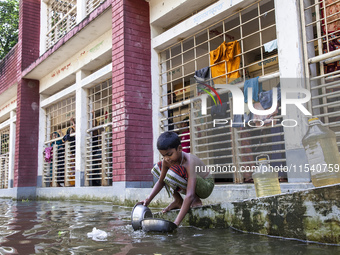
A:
168, 140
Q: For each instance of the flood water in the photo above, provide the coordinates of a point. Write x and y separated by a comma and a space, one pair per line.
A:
51, 227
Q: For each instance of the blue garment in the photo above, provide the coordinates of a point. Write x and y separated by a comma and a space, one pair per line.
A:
266, 98
270, 46
257, 88
59, 142
248, 117
202, 74
219, 111
238, 120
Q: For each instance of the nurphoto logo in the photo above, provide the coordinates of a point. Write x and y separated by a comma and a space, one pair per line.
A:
238, 106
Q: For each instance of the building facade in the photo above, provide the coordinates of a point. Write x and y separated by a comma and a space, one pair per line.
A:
86, 91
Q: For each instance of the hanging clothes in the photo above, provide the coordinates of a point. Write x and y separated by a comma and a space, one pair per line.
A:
225, 52
202, 74
266, 119
219, 111
331, 35
255, 85
266, 97
240, 118
332, 16
48, 154
270, 46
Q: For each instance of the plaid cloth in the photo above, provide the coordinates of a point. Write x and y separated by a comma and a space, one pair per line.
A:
177, 180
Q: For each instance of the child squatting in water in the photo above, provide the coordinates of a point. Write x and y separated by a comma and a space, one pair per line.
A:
176, 172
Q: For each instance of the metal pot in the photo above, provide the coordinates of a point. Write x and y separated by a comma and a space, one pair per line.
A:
158, 225
139, 212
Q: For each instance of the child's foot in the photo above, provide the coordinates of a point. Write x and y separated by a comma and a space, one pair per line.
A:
197, 202
174, 205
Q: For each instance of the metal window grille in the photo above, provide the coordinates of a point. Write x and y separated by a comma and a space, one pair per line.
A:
4, 157
59, 150
254, 30
99, 139
92, 5
321, 34
62, 17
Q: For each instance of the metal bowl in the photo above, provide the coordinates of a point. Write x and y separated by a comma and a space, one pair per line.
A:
158, 225
139, 212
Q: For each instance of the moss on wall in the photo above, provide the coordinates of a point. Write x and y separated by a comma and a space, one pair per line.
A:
311, 215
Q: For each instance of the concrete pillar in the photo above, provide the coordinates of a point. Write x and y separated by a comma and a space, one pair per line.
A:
81, 10
292, 75
42, 139
156, 115
43, 26
12, 127
81, 126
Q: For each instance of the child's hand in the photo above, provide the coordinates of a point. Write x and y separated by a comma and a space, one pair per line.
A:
145, 202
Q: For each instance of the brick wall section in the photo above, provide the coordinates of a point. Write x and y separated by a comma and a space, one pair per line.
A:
29, 31
9, 75
27, 128
93, 15
131, 91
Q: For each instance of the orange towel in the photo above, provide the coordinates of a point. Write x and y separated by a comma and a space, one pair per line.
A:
225, 52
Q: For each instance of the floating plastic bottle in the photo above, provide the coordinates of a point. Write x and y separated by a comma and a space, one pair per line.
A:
322, 153
265, 179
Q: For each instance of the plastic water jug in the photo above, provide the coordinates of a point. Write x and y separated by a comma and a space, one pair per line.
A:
322, 153
265, 179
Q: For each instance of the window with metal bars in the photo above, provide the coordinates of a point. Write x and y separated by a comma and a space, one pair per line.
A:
233, 144
60, 144
92, 5
99, 139
249, 39
321, 34
62, 17
4, 157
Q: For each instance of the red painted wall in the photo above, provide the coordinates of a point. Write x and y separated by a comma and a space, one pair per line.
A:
26, 145
11, 67
131, 91
9, 73
131, 76
27, 131
29, 31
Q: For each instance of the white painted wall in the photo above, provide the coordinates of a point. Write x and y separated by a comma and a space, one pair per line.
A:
43, 26
12, 132
84, 81
76, 62
163, 13
11, 122
81, 127
197, 22
81, 10
6, 108
41, 138
292, 76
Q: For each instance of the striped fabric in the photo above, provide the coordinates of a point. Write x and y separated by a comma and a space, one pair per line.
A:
180, 170
176, 179
156, 172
